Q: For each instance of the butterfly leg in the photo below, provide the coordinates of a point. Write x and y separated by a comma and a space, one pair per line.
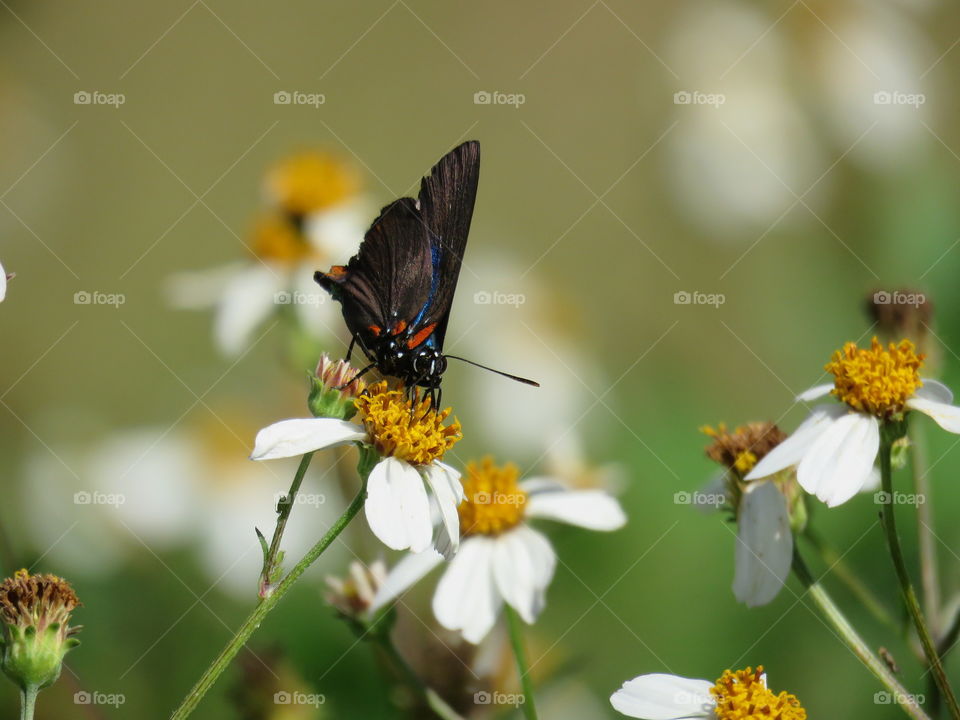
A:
353, 341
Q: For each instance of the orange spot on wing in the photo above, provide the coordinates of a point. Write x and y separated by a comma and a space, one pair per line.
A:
421, 336
375, 329
337, 272
398, 327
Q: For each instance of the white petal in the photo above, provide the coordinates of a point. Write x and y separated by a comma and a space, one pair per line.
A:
337, 232
397, 507
945, 415
289, 438
764, 549
466, 599
712, 496
404, 575
791, 450
838, 464
444, 482
3, 283
873, 481
539, 484
591, 509
934, 390
523, 565
200, 289
664, 697
815, 393
248, 299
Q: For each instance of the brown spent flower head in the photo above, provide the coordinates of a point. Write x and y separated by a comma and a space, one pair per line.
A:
37, 600
410, 430
900, 313
741, 449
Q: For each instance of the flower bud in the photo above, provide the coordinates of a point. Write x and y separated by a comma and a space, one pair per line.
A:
333, 388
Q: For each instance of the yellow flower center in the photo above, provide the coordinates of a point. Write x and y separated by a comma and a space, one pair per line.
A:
494, 501
743, 695
276, 237
408, 430
877, 381
311, 181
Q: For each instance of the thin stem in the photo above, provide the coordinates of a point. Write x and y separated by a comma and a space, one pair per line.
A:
516, 640
28, 702
927, 543
283, 514
852, 639
887, 433
267, 604
430, 696
839, 567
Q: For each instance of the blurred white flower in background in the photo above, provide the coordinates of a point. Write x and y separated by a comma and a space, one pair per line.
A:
151, 491
315, 217
870, 70
511, 321
3, 283
734, 161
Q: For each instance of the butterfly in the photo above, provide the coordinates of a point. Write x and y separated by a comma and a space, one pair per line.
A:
397, 291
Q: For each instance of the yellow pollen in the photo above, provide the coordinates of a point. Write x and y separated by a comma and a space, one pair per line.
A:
311, 181
494, 501
877, 381
277, 238
745, 462
403, 429
743, 695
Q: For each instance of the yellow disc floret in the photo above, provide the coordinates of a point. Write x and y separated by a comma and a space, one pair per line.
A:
494, 501
405, 429
277, 238
743, 695
311, 181
877, 381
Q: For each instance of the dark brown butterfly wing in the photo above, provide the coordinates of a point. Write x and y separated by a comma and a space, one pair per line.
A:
388, 281
447, 197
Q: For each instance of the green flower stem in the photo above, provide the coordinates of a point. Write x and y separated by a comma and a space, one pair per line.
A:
436, 703
283, 514
516, 640
28, 702
888, 433
834, 560
926, 542
852, 639
267, 604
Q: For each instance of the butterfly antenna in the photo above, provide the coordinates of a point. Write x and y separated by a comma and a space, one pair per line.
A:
525, 381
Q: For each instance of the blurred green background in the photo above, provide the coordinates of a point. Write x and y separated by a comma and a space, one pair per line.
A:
602, 196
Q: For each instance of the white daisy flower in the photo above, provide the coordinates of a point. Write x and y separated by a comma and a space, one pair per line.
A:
736, 695
410, 441
315, 215
764, 549
501, 558
835, 448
